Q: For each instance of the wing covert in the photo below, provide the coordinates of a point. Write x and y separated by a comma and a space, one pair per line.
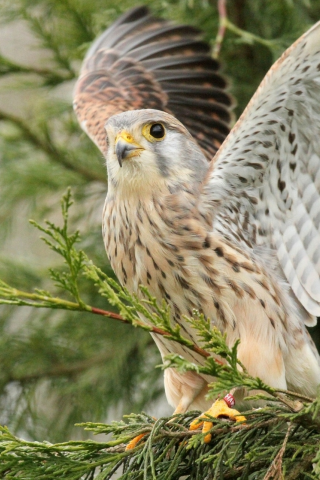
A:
144, 62
264, 183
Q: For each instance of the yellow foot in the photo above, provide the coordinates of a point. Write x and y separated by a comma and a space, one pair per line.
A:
133, 443
218, 409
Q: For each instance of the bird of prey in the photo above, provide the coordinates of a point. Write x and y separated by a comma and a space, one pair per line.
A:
237, 237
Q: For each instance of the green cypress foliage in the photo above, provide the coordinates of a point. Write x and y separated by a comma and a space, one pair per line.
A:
63, 361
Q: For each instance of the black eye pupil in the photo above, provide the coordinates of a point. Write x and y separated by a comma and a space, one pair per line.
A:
157, 130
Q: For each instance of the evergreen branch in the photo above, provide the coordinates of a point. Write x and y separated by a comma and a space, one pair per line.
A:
51, 77
80, 19
227, 373
50, 149
295, 395
248, 37
232, 374
157, 320
62, 243
69, 370
171, 450
49, 39
13, 296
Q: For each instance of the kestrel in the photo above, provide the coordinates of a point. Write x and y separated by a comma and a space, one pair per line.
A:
237, 238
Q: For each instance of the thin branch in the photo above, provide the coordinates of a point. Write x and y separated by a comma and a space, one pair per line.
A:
62, 370
275, 470
40, 301
49, 149
49, 40
222, 9
152, 329
13, 296
297, 395
247, 36
8, 67
187, 433
79, 17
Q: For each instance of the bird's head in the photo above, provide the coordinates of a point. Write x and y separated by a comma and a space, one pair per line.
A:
150, 149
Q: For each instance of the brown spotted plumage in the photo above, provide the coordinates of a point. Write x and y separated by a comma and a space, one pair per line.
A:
237, 239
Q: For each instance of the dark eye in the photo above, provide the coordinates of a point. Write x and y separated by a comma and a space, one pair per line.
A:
157, 130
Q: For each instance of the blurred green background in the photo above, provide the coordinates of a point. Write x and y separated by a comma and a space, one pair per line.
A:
62, 368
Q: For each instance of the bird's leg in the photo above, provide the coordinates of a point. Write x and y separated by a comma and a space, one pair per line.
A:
181, 408
183, 404
220, 408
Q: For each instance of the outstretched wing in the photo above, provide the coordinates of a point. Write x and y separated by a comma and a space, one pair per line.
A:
264, 182
145, 62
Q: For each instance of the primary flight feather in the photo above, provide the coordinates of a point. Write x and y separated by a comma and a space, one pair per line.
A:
238, 238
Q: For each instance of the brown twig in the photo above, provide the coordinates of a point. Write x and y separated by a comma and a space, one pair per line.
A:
296, 394
222, 10
37, 300
275, 470
152, 329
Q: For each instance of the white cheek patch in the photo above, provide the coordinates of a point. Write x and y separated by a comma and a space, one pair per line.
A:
175, 157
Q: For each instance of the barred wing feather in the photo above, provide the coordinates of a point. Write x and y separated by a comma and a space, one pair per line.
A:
264, 182
142, 61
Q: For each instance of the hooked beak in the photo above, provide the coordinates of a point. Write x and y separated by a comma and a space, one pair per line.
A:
126, 147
